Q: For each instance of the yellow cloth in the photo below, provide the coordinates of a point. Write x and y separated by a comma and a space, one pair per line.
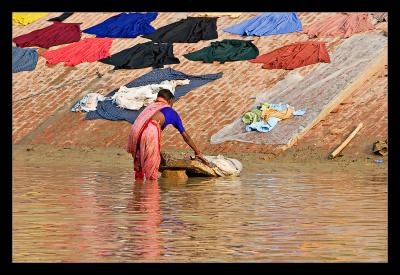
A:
267, 113
230, 14
25, 18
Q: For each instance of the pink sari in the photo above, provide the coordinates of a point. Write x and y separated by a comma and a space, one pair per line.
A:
144, 143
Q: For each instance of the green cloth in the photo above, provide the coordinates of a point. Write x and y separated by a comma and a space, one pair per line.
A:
264, 106
225, 50
252, 116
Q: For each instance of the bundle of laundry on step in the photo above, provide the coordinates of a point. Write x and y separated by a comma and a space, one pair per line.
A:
136, 97
224, 166
267, 115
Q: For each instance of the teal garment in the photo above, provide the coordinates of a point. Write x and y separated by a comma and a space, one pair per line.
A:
251, 117
225, 50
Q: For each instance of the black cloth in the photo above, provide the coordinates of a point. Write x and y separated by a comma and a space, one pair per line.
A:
189, 30
144, 55
62, 17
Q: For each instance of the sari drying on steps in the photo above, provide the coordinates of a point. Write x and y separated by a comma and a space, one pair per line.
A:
144, 143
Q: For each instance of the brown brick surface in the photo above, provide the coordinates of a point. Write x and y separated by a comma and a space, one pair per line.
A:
39, 94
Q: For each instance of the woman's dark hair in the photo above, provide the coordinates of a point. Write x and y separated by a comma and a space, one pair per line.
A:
166, 94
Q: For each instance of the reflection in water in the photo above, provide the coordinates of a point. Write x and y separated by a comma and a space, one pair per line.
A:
91, 214
146, 202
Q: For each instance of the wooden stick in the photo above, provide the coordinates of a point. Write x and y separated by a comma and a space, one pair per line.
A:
348, 139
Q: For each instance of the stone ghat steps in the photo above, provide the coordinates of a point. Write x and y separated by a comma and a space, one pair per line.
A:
45, 118
354, 61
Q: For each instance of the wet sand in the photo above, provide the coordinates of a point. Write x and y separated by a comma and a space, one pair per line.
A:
304, 160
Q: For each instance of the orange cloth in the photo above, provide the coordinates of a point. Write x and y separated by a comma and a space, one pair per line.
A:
342, 25
294, 56
267, 113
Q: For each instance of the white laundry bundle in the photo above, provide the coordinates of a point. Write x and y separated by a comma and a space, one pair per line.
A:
136, 97
88, 103
225, 166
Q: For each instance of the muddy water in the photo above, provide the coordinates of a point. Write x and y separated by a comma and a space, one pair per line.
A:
98, 214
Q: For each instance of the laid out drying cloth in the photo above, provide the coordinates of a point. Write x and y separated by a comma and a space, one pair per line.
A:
268, 23
225, 50
143, 55
62, 17
86, 50
110, 110
189, 30
57, 33
88, 103
343, 25
124, 25
294, 56
24, 59
25, 18
225, 166
136, 97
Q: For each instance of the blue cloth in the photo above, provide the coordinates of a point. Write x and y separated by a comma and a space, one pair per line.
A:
268, 23
124, 25
172, 117
24, 59
279, 107
109, 110
263, 126
299, 112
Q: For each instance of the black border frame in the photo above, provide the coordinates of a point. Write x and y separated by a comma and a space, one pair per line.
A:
181, 6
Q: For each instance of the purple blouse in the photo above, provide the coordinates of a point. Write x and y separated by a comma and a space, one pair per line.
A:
172, 117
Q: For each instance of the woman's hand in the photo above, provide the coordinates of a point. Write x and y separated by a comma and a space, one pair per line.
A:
200, 156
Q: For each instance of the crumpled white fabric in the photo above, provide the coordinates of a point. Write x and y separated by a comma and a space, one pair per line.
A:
225, 166
136, 97
88, 103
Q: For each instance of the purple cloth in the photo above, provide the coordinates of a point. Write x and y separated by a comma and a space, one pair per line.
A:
172, 117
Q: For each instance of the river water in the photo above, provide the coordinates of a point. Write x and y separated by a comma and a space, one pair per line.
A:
98, 214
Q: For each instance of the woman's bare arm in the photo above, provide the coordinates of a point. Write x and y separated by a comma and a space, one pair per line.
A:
190, 142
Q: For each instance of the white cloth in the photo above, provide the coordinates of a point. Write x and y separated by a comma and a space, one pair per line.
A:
136, 97
88, 103
225, 166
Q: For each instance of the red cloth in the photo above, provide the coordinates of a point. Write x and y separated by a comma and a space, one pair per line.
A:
86, 50
56, 34
294, 56
343, 25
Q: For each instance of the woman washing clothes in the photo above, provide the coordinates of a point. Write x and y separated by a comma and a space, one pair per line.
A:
145, 135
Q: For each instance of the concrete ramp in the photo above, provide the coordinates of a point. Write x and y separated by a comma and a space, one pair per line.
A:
323, 89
